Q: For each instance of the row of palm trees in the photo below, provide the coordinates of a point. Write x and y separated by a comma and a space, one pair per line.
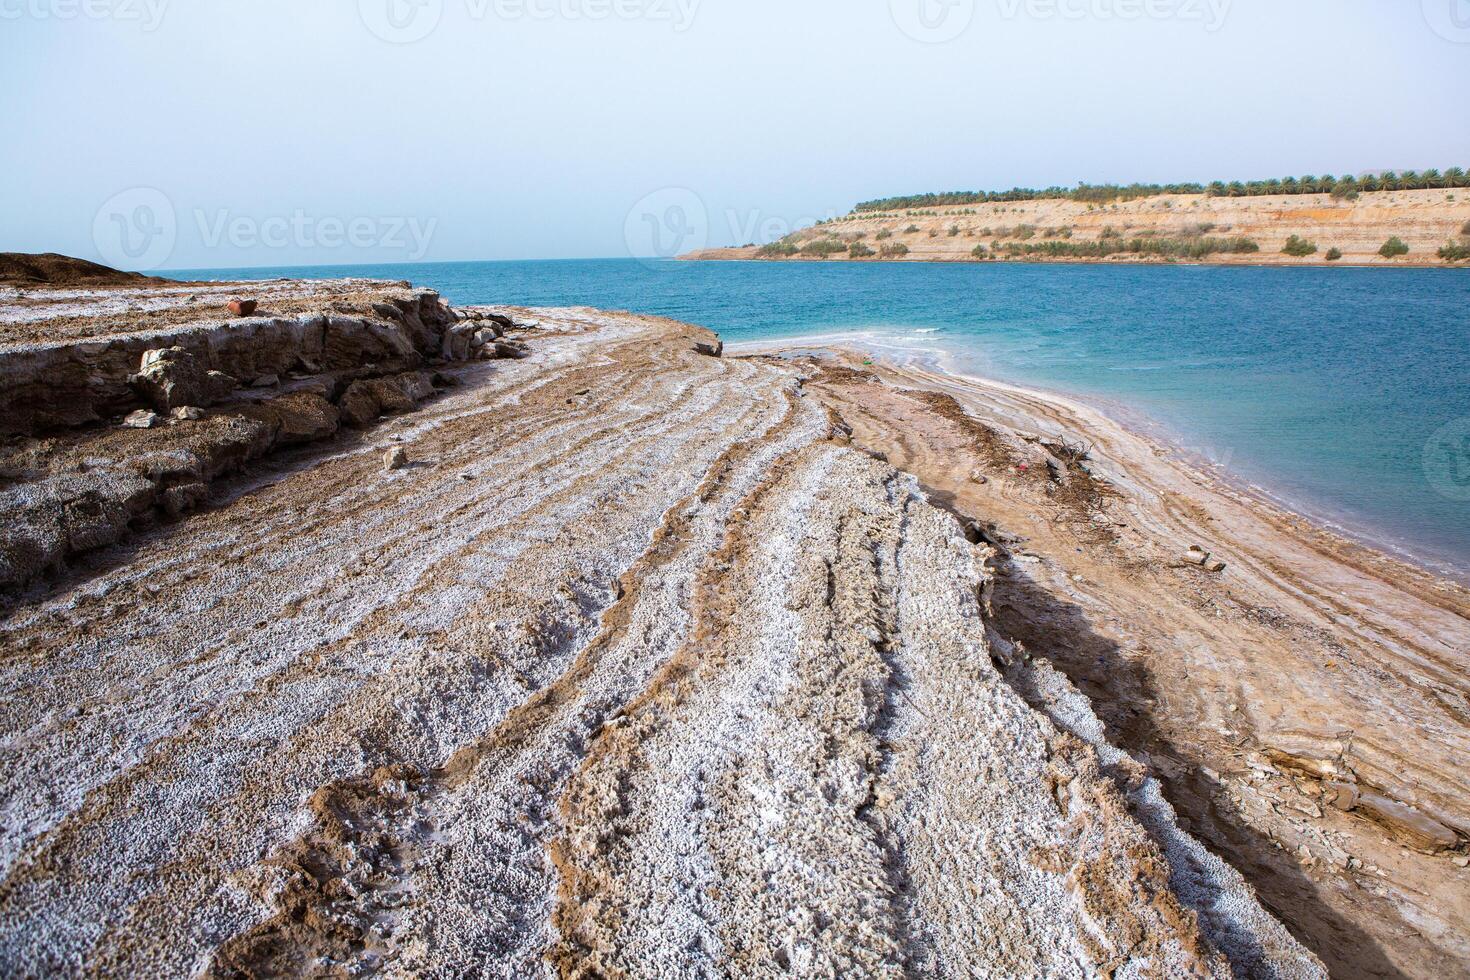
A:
1341, 186
1389, 180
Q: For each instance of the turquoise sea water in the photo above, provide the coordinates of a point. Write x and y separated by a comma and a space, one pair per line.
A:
1344, 392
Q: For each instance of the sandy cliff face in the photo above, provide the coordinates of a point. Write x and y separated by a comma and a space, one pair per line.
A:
631, 664
1424, 219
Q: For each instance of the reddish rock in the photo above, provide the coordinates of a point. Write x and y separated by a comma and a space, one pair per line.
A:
243, 307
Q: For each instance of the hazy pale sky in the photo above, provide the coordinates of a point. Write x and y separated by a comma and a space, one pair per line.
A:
189, 134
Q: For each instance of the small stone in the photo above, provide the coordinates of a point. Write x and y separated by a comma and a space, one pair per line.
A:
716, 349
1194, 556
265, 381
1463, 861
243, 307
1215, 566
395, 459
187, 413
980, 478
141, 419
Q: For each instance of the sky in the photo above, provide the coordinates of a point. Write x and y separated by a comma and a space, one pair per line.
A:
179, 134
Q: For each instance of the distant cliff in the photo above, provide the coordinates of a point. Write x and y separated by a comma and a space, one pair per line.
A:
1403, 227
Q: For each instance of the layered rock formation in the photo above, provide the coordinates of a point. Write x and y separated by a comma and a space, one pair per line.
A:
76, 481
636, 667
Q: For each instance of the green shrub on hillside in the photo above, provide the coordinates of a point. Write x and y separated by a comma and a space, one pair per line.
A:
954, 231
911, 229
980, 252
883, 235
1455, 251
1299, 247
778, 250
1172, 248
823, 247
1333, 254
1393, 248
859, 251
894, 251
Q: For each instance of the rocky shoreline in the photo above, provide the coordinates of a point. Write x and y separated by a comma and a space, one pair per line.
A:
111, 429
563, 642
1297, 694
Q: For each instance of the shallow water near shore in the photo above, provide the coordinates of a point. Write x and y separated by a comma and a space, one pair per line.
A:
1343, 392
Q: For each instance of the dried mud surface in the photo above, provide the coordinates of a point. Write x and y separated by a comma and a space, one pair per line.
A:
638, 667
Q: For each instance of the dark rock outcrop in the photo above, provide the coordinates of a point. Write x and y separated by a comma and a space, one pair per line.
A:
55, 386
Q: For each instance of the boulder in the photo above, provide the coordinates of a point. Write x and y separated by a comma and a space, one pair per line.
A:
297, 418
365, 400
395, 459
188, 413
141, 419
506, 348
359, 404
243, 307
172, 377
458, 340
711, 349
